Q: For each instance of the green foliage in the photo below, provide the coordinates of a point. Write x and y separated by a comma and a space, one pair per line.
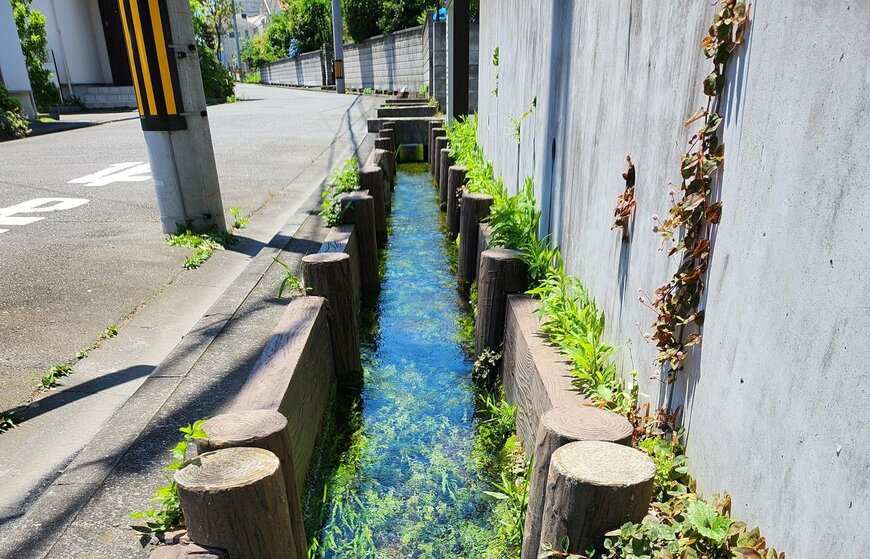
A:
672, 474
168, 515
361, 18
31, 33
7, 420
56, 372
217, 82
252, 77
13, 123
203, 245
259, 50
240, 221
307, 21
110, 332
401, 14
82, 354
368, 91
343, 179
290, 282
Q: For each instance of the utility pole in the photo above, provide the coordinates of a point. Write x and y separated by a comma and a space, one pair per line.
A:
236, 34
457, 58
338, 46
172, 112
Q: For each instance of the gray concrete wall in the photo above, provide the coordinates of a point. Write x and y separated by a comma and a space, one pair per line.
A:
304, 70
386, 62
405, 59
774, 400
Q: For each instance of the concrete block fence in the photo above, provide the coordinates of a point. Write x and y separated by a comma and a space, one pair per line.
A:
406, 59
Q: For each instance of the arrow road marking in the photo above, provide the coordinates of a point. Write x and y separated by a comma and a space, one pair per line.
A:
8, 216
134, 171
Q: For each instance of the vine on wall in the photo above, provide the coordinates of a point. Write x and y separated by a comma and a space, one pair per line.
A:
625, 202
676, 302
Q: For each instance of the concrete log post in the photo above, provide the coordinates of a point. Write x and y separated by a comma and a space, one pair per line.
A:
440, 145
433, 147
484, 233
359, 209
382, 159
266, 429
386, 144
501, 272
371, 178
235, 499
472, 209
594, 487
432, 124
446, 161
558, 427
455, 181
389, 132
328, 275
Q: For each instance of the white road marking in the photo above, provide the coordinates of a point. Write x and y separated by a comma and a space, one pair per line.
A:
134, 171
8, 216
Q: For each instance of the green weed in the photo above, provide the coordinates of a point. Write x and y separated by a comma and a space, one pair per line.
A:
168, 515
82, 354
56, 372
203, 245
7, 420
290, 282
240, 221
110, 332
344, 179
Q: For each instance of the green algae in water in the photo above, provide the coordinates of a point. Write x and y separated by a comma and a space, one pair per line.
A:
407, 487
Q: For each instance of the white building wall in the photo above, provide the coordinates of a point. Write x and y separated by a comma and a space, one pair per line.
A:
75, 34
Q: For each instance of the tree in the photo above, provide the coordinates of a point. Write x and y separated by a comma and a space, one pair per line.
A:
361, 18
307, 21
212, 19
401, 14
31, 33
258, 51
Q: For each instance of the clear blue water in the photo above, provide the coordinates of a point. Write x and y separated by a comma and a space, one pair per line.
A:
408, 487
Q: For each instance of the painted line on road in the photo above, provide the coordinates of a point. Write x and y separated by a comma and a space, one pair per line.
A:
134, 171
9, 216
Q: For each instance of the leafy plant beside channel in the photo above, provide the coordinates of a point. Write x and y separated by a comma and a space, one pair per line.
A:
290, 283
203, 245
7, 420
240, 220
109, 332
168, 514
343, 180
56, 372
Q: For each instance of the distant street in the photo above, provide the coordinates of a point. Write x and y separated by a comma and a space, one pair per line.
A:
89, 255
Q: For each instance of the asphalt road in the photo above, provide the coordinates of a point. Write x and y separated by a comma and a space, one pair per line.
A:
66, 277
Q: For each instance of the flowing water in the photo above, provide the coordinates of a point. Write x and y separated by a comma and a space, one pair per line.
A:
408, 488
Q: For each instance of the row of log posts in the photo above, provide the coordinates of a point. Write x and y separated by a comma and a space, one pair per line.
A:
586, 479
240, 494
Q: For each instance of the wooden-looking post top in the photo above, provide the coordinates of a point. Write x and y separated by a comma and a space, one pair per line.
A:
227, 468
585, 423
603, 464
239, 428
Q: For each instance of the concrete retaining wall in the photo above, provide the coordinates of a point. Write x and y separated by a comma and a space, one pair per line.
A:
773, 400
304, 70
405, 59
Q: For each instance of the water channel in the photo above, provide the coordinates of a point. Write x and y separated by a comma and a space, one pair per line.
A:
408, 487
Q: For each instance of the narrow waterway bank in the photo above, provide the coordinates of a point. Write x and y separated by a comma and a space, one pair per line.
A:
408, 486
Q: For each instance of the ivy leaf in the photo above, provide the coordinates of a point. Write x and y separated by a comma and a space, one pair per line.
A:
713, 84
714, 212
692, 339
